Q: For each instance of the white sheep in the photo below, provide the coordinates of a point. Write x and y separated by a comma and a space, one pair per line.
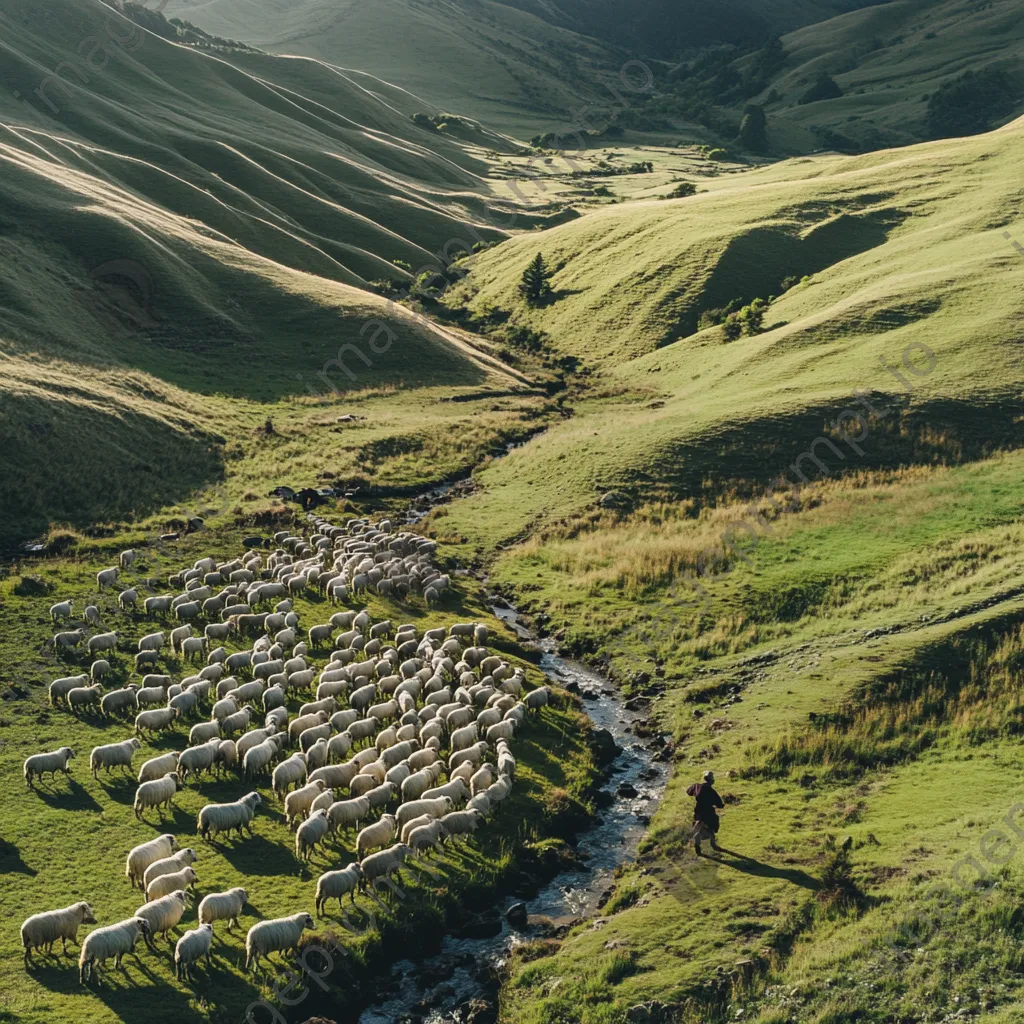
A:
203, 732
168, 865
60, 688
141, 856
196, 760
311, 832
110, 755
106, 578
214, 818
44, 929
335, 884
456, 789
164, 912
223, 906
426, 837
374, 836
158, 718
159, 604
348, 813
151, 641
127, 598
297, 803
280, 934
414, 808
102, 642
98, 669
158, 767
112, 941
287, 773
458, 823
156, 793
163, 885
191, 948
84, 696
52, 762
61, 610
69, 638
382, 864
238, 722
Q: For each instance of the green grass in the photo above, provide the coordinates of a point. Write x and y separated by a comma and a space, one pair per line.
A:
67, 840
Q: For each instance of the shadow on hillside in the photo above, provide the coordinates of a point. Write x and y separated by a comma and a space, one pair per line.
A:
74, 798
749, 866
11, 862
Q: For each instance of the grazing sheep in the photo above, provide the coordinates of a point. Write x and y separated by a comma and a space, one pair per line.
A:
335, 884
203, 732
223, 906
111, 754
184, 703
310, 833
227, 754
238, 722
53, 762
158, 604
44, 929
481, 802
106, 578
98, 669
308, 737
112, 941
196, 760
279, 934
348, 813
297, 803
414, 808
70, 638
482, 778
158, 718
299, 725
317, 754
499, 790
179, 634
287, 773
169, 865
61, 610
458, 823
126, 558
156, 793
426, 837
456, 790
84, 696
382, 864
150, 696
158, 767
214, 818
374, 836
192, 646
141, 856
191, 948
102, 642
164, 912
127, 599
60, 688
164, 885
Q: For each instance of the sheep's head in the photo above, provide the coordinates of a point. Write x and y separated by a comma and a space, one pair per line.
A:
144, 926
171, 840
190, 876
135, 743
307, 921
85, 913
320, 784
67, 752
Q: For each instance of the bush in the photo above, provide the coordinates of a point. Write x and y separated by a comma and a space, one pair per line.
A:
972, 103
754, 129
824, 88
718, 154
682, 190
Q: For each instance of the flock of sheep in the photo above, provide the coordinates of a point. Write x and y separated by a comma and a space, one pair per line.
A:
406, 736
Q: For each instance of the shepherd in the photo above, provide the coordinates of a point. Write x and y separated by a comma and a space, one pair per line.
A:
705, 814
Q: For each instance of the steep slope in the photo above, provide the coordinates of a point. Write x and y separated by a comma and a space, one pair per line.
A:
503, 65
889, 61
183, 228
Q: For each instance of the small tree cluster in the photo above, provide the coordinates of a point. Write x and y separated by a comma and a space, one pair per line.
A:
746, 321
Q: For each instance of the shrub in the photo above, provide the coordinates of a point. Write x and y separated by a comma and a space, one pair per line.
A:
718, 154
824, 88
969, 104
682, 190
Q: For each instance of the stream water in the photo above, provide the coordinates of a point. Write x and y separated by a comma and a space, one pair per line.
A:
417, 991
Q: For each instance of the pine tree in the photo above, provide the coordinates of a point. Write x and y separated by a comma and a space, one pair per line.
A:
535, 286
754, 129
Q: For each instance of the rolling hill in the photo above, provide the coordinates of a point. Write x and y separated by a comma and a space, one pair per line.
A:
184, 227
806, 565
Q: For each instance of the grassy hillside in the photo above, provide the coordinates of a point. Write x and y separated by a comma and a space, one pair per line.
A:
186, 248
889, 62
66, 840
843, 653
509, 67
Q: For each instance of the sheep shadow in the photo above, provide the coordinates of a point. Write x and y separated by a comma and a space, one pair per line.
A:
75, 798
120, 789
11, 862
255, 855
